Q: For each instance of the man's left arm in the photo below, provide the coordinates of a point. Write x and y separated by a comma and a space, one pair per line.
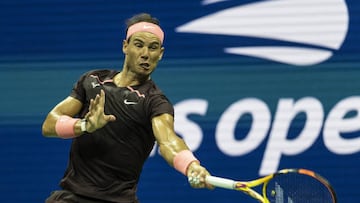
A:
175, 151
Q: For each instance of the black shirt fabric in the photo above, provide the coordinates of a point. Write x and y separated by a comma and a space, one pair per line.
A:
107, 163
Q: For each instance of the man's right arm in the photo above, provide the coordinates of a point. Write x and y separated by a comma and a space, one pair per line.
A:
68, 107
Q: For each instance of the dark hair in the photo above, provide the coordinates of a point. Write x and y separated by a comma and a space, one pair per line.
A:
142, 17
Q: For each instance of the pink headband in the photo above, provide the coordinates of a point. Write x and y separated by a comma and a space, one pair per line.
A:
146, 27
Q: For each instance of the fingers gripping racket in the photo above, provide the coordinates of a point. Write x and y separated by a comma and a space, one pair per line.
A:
284, 186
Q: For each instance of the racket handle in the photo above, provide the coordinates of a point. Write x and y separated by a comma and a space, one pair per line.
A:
220, 182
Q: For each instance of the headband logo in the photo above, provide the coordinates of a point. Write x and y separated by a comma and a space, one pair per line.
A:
148, 27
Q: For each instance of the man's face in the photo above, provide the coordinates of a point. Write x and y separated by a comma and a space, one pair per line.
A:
142, 52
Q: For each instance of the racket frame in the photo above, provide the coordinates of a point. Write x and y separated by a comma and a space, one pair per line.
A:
246, 186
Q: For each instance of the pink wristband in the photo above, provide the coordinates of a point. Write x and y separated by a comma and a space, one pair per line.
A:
182, 161
64, 127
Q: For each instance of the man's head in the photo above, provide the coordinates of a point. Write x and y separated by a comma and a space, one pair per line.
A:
143, 45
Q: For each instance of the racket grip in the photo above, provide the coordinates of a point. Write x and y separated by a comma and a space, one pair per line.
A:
220, 182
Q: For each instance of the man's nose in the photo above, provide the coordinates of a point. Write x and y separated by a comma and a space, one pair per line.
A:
145, 53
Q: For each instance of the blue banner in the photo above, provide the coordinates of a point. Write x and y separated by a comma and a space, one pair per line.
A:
257, 86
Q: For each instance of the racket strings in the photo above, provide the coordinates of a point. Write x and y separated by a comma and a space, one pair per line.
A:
297, 188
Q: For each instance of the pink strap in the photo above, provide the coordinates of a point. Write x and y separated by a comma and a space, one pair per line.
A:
182, 161
146, 27
64, 127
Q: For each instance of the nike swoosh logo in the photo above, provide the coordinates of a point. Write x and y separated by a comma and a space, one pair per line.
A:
148, 27
129, 102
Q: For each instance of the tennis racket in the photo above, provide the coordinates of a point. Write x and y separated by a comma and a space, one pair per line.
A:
284, 186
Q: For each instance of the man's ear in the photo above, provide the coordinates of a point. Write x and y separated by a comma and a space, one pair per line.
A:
161, 54
124, 46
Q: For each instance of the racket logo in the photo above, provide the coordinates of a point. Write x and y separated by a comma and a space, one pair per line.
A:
240, 186
260, 20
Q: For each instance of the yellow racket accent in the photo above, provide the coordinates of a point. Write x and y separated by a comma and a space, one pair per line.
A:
246, 188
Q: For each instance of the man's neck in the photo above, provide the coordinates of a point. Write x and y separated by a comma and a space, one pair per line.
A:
126, 78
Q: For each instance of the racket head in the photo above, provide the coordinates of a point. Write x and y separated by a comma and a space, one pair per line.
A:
298, 185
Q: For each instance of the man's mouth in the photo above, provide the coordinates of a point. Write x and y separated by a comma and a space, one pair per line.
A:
145, 65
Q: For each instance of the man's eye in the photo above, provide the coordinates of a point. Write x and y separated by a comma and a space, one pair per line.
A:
138, 45
154, 47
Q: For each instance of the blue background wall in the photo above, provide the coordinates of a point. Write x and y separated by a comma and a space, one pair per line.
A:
46, 45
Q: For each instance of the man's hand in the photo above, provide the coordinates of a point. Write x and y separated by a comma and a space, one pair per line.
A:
196, 175
96, 117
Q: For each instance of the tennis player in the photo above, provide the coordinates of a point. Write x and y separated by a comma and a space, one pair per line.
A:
114, 119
